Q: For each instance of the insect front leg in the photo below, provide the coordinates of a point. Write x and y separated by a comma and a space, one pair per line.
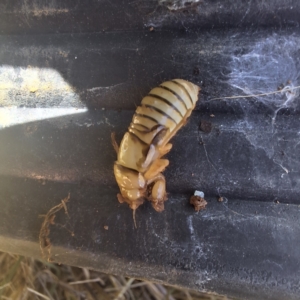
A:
165, 149
155, 169
158, 193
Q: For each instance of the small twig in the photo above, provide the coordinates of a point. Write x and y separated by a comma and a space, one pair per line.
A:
44, 239
63, 202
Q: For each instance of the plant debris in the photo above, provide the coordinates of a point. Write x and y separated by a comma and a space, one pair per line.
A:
198, 201
23, 278
45, 244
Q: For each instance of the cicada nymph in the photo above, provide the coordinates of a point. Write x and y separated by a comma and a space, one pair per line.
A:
139, 167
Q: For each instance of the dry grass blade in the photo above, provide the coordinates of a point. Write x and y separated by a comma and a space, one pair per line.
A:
25, 279
115, 282
129, 294
132, 286
157, 291
164, 292
124, 289
86, 273
9, 276
145, 294
38, 294
188, 296
44, 239
5, 285
87, 281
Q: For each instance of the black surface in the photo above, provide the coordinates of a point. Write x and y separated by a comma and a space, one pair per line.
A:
79, 16
246, 246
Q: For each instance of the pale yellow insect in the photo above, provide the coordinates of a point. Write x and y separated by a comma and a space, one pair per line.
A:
138, 168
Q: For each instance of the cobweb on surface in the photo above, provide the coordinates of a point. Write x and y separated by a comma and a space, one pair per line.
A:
270, 67
177, 4
264, 79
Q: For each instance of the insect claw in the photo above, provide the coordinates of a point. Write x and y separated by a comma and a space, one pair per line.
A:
158, 206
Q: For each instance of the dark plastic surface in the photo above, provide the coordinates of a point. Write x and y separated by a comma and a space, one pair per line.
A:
61, 95
78, 16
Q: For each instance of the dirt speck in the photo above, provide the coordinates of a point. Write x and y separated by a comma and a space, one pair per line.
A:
196, 71
30, 129
198, 202
63, 53
106, 227
205, 126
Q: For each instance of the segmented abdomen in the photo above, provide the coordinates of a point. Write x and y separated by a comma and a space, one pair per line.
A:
161, 114
168, 105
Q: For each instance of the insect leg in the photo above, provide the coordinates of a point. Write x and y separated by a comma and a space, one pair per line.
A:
149, 157
165, 149
158, 193
154, 170
153, 175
